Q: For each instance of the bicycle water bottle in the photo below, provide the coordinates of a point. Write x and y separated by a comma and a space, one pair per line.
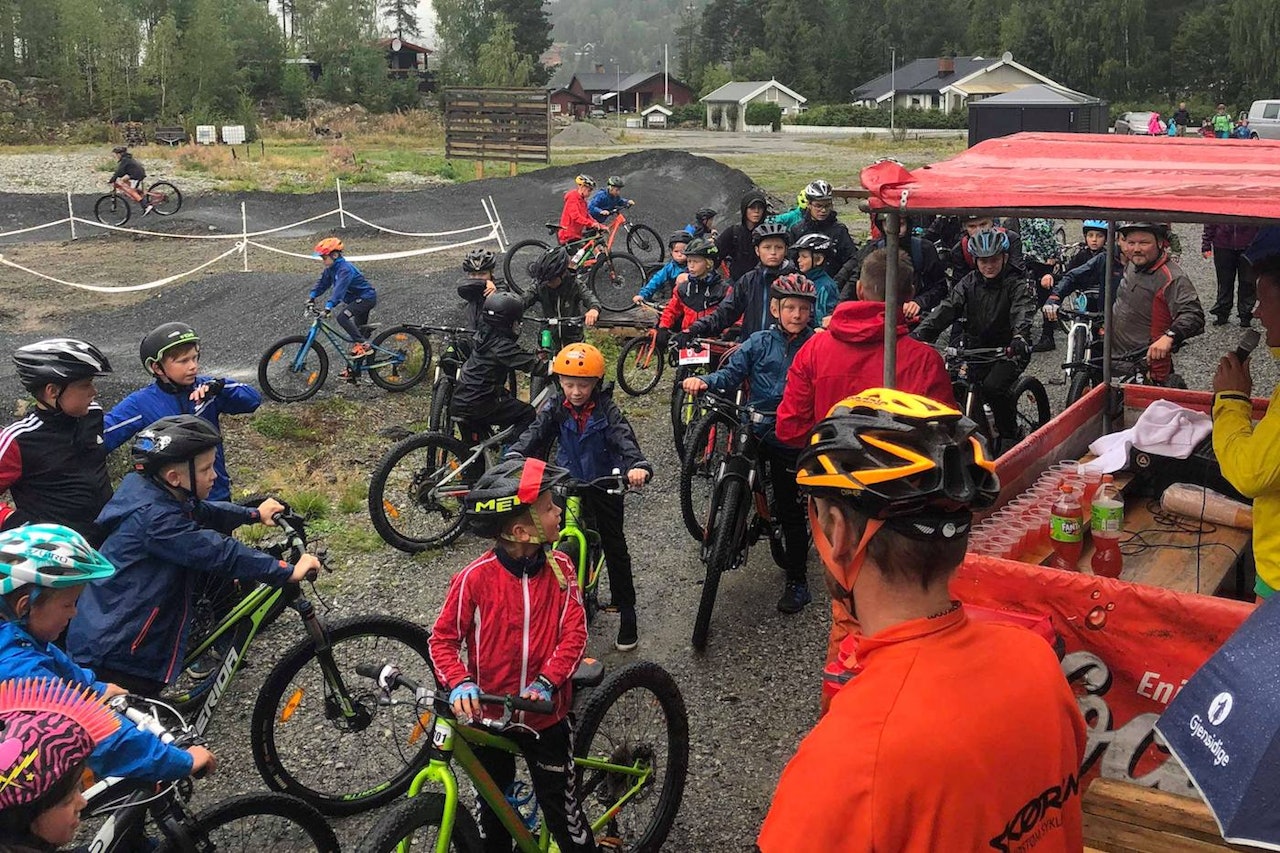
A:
1065, 530
1106, 519
546, 340
521, 798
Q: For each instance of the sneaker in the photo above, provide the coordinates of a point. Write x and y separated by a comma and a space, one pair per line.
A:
349, 375
628, 637
361, 350
148, 209
794, 597
1219, 320
1045, 344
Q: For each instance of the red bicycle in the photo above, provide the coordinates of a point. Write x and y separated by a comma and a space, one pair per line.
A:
161, 198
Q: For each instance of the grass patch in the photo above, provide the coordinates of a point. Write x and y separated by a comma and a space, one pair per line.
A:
310, 504
354, 498
281, 426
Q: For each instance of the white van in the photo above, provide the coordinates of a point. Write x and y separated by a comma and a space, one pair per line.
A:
1264, 120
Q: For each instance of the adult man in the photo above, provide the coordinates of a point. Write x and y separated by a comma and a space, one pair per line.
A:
1182, 118
951, 734
1156, 306
928, 278
820, 218
574, 217
1249, 454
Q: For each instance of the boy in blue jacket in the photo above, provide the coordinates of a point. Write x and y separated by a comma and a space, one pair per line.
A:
605, 202
764, 358
666, 278
594, 439
171, 354
44, 568
353, 297
132, 628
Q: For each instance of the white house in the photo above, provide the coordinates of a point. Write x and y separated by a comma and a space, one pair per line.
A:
656, 116
727, 106
948, 83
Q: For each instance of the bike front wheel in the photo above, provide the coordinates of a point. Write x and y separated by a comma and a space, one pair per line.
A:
640, 365
615, 278
253, 822
645, 244
291, 370
1078, 385
441, 401
635, 719
322, 732
401, 357
684, 409
515, 263
417, 490
164, 198
111, 209
706, 448
416, 824
726, 544
1033, 405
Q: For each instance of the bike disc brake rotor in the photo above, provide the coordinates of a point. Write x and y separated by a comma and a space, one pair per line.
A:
363, 705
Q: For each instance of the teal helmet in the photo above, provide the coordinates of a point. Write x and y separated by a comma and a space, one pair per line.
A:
49, 556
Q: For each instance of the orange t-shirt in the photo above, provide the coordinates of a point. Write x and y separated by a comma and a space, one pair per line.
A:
953, 735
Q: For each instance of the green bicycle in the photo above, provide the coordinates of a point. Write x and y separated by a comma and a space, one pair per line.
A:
631, 754
294, 368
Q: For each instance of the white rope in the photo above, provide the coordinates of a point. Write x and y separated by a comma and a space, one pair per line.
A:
485, 227
97, 288
237, 237
385, 256
62, 221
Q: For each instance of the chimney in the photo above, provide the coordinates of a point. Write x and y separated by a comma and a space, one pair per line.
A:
599, 68
946, 66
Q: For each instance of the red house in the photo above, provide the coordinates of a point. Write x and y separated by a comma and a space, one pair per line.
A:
636, 91
565, 103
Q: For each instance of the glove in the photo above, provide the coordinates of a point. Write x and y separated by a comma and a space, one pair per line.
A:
540, 686
663, 338
464, 690
1019, 348
1051, 308
681, 340
213, 388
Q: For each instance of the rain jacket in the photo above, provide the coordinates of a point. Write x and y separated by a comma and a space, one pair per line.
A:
602, 204
848, 359
1227, 236
592, 441
128, 752
693, 300
1153, 300
843, 246
929, 276
1088, 276
483, 378
348, 283
995, 312
828, 292
519, 619
574, 217
734, 243
163, 399
663, 279
471, 290
748, 301
137, 622
571, 299
1249, 455
764, 359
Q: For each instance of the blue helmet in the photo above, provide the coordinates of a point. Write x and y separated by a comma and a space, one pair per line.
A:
1094, 225
1265, 245
988, 244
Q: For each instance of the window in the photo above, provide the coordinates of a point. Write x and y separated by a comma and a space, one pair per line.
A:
1271, 110
771, 95
555, 108
669, 99
915, 102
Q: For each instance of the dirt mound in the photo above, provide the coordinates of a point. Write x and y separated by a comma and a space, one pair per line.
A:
581, 134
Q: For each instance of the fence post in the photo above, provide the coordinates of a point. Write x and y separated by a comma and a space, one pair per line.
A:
244, 236
71, 217
342, 215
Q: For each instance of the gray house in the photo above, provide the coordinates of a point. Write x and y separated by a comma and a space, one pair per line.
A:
948, 83
727, 106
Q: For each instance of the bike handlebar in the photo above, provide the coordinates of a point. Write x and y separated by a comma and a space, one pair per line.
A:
445, 330
388, 677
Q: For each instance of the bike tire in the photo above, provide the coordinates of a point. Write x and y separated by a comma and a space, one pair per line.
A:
724, 548
642, 688
441, 402
220, 825
111, 209
684, 410
1078, 386
645, 244
170, 201
706, 449
293, 701
1033, 404
402, 511
615, 278
526, 251
411, 347
640, 366
281, 382
403, 821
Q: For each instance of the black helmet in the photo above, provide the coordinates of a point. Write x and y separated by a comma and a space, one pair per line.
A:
163, 338
701, 247
818, 190
58, 361
1158, 229
177, 438
479, 260
502, 310
551, 265
678, 237
703, 215
506, 490
120, 149
615, 181
765, 230
814, 242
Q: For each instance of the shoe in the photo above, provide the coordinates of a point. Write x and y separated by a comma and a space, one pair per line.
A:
794, 597
1045, 344
148, 209
628, 637
1246, 323
349, 375
1219, 320
361, 350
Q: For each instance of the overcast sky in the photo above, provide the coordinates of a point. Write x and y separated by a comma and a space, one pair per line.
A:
426, 19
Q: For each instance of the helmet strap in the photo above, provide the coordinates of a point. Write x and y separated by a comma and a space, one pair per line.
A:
841, 579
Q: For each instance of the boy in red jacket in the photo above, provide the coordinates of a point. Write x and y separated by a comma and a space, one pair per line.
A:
519, 611
575, 219
697, 292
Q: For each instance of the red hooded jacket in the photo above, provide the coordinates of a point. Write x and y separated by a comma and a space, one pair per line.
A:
575, 217
848, 359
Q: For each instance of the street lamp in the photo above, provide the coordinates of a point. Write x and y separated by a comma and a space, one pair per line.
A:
893, 87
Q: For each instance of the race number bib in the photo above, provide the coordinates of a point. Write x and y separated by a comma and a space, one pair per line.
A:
696, 355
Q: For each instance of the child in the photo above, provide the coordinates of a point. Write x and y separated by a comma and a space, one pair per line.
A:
736, 244
820, 218
703, 224
353, 298
795, 215
698, 292
518, 610
53, 461
557, 290
749, 300
1082, 271
1041, 254
810, 256
44, 569
764, 358
170, 353
482, 396
664, 279
609, 200
592, 439
479, 285
928, 274
575, 218
132, 628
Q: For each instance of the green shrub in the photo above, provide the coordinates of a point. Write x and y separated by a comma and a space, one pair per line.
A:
849, 115
694, 113
770, 114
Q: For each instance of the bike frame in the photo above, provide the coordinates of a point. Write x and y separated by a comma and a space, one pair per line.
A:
743, 465
573, 535
338, 340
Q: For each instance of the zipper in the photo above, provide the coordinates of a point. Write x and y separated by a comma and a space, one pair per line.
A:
524, 660
137, 641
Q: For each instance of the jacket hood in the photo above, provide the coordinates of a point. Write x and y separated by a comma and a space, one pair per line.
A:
135, 491
861, 322
748, 198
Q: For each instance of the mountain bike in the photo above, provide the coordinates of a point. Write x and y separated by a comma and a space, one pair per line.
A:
613, 276
294, 368
457, 349
642, 243
146, 816
1129, 368
640, 364
1083, 328
1033, 409
631, 745
700, 357
580, 541
113, 208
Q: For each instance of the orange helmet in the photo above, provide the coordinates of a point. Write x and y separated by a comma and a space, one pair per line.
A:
328, 246
579, 360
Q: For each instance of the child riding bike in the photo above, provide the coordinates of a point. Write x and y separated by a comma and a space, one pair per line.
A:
518, 582
575, 217
668, 274
479, 285
353, 297
703, 224
697, 295
593, 438
810, 255
609, 200
749, 299
559, 292
128, 167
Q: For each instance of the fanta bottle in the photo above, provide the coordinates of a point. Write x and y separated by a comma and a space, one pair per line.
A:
1106, 520
1066, 533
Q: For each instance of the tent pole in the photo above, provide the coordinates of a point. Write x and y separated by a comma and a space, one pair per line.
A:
1108, 296
891, 308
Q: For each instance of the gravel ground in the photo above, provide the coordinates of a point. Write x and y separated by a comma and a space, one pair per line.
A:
751, 696
80, 172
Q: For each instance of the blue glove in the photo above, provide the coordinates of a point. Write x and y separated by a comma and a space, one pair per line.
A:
464, 690
539, 686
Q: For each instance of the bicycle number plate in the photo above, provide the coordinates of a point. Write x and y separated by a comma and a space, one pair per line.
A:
700, 355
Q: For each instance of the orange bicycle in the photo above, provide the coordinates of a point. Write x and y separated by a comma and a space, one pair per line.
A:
162, 197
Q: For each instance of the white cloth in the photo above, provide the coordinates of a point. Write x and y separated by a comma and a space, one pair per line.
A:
1165, 428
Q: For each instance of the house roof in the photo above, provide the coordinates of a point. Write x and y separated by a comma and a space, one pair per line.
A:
405, 44
1038, 93
612, 82
656, 108
741, 93
921, 77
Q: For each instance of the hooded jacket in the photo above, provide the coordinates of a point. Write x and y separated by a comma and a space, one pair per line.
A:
734, 243
929, 276
1151, 301
995, 312
843, 246
848, 359
764, 358
1088, 276
663, 279
348, 283
693, 300
483, 379
748, 301
591, 442
137, 621
1227, 236
574, 217
571, 299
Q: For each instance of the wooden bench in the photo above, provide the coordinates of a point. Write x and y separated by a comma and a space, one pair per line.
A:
171, 135
1121, 816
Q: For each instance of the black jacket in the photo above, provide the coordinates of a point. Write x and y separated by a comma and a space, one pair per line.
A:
929, 280
734, 243
571, 299
483, 379
994, 311
128, 166
962, 263
749, 301
472, 292
843, 246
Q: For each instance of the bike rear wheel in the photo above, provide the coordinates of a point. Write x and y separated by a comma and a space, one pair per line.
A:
409, 352
416, 823
684, 409
288, 375
304, 745
705, 450
640, 366
1033, 405
516, 261
254, 822
111, 209
164, 198
726, 535
615, 278
407, 510
636, 716
646, 245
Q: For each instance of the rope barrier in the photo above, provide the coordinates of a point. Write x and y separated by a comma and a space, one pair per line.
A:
384, 256
97, 288
238, 237
62, 221
487, 226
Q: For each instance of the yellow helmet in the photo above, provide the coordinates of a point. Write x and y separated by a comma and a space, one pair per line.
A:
579, 360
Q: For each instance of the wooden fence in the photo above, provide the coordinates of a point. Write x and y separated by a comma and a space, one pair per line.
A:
505, 125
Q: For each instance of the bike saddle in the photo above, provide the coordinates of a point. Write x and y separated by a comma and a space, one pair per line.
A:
588, 674
553, 227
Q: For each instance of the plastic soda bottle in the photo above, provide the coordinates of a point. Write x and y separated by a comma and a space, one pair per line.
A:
1066, 532
546, 339
1106, 520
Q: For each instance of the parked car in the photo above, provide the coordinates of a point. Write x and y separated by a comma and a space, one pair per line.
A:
1264, 120
599, 113
1133, 124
